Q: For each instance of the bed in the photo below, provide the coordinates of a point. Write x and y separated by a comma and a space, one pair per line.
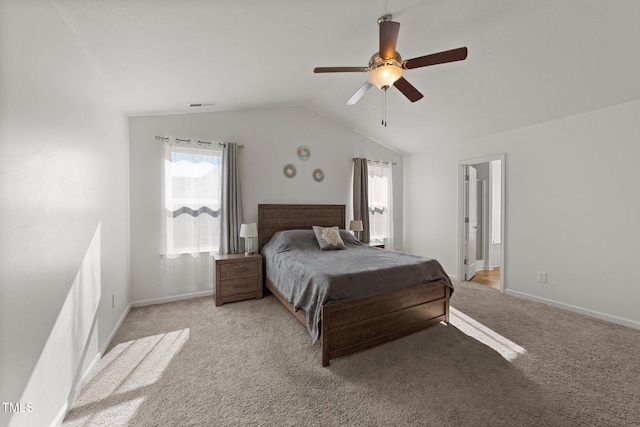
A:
353, 323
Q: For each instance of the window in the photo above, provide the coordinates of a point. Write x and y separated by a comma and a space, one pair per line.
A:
380, 198
191, 200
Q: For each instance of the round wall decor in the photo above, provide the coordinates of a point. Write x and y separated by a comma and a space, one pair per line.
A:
318, 175
289, 171
304, 153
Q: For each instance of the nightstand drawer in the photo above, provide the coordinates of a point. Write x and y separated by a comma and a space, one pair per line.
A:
242, 285
232, 270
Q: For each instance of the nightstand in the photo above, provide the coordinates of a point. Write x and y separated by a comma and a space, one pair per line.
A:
238, 277
376, 245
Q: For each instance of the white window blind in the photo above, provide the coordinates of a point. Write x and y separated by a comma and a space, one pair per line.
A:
191, 200
380, 202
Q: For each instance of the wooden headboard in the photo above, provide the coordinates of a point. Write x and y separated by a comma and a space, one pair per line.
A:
274, 218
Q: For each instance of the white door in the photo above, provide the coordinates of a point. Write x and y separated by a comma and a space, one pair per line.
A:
471, 221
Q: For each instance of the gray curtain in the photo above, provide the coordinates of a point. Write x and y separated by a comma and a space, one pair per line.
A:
231, 208
361, 196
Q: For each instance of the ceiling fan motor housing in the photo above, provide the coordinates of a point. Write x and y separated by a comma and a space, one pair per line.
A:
376, 61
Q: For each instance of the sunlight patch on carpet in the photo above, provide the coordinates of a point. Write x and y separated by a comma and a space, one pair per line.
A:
119, 414
120, 382
507, 348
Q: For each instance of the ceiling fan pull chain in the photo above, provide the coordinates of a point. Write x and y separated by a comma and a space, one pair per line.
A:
384, 105
382, 121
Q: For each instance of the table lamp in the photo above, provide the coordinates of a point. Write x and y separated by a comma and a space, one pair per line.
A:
356, 226
248, 231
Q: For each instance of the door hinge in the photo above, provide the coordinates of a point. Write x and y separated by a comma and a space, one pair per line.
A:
465, 262
466, 220
466, 177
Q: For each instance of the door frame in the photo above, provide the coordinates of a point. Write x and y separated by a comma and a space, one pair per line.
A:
503, 211
470, 188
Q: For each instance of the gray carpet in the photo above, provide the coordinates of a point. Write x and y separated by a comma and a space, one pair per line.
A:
189, 363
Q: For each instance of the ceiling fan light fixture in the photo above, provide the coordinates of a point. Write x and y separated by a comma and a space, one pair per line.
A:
385, 75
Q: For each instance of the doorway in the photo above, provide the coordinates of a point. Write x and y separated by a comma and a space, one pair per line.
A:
481, 220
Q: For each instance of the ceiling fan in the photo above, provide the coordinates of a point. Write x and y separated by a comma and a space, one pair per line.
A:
385, 67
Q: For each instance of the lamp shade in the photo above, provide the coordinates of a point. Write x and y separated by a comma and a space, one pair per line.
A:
355, 225
249, 230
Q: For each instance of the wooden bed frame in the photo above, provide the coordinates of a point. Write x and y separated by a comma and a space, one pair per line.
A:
355, 325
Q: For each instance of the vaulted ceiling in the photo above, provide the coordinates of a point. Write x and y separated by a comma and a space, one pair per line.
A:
529, 61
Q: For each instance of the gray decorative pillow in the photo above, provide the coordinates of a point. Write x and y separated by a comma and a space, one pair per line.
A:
328, 238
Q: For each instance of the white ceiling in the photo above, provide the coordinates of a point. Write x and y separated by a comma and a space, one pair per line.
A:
529, 61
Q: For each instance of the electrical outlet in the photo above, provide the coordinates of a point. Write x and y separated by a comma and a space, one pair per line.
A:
542, 277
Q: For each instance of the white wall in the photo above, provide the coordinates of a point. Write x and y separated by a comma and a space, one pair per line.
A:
572, 202
271, 138
64, 240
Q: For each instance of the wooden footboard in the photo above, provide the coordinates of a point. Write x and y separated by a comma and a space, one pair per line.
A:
352, 326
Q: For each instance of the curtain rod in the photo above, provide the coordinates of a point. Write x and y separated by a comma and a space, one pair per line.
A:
188, 141
376, 161
222, 144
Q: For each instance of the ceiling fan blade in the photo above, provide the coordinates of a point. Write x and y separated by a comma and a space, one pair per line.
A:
356, 96
340, 70
436, 58
408, 90
388, 38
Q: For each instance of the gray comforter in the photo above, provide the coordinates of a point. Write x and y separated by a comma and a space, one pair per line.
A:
309, 278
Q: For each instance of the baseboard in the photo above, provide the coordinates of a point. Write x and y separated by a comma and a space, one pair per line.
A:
57, 421
116, 328
172, 298
76, 390
453, 277
85, 375
591, 313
